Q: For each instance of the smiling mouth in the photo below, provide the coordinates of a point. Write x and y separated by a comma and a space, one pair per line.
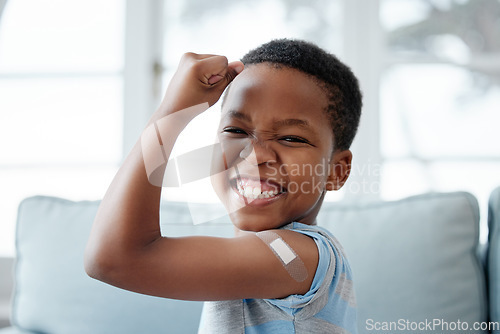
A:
253, 189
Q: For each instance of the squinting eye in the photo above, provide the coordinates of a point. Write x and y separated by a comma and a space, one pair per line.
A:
236, 131
294, 139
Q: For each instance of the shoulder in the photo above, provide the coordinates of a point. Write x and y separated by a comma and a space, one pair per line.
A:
332, 260
304, 245
297, 253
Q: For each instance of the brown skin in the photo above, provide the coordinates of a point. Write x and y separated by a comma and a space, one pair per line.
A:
126, 248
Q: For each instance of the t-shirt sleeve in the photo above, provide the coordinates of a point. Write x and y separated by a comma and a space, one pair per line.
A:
295, 303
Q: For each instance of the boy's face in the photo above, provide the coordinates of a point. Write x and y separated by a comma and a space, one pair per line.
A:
277, 146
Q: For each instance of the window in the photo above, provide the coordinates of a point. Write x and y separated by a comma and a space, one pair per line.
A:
61, 65
429, 70
440, 97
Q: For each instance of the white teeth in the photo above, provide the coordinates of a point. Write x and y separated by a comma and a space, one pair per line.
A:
254, 193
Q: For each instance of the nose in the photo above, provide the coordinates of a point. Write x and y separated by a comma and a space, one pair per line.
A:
257, 152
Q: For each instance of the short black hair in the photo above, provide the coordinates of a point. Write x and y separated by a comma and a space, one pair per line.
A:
337, 79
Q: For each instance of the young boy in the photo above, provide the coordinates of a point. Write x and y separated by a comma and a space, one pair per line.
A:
287, 122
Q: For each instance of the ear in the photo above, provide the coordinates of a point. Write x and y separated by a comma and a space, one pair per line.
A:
340, 168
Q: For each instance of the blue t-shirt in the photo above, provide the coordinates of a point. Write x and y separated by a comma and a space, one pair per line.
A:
328, 307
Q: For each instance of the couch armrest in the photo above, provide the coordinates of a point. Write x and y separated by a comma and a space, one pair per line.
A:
493, 256
13, 330
6, 287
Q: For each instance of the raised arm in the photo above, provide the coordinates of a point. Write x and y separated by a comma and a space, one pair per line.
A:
126, 248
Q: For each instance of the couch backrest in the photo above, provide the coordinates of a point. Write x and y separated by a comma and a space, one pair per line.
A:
413, 259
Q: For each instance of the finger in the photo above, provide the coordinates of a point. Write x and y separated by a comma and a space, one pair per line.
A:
233, 69
212, 68
217, 70
189, 56
228, 73
201, 56
214, 79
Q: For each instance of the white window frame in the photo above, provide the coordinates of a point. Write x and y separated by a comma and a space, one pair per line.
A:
363, 40
142, 72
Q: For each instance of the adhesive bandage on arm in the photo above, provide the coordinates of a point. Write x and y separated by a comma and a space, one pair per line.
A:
290, 260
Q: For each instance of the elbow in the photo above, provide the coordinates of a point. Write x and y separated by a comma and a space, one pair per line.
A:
113, 269
99, 266
109, 265
93, 268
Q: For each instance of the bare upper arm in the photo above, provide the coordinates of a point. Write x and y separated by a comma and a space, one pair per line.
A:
208, 268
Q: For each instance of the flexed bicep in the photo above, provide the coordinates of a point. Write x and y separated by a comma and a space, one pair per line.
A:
209, 268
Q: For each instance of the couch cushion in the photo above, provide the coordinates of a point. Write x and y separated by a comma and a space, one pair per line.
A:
494, 255
414, 259
54, 295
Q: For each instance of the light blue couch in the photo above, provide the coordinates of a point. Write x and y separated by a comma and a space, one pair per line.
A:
415, 261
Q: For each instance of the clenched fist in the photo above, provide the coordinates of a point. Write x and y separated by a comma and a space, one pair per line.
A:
198, 79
